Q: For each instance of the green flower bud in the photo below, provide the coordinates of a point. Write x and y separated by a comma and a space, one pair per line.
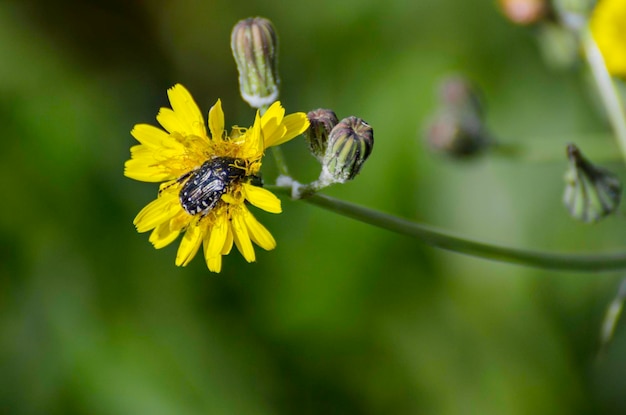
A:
458, 129
255, 47
457, 136
322, 121
591, 193
558, 45
349, 144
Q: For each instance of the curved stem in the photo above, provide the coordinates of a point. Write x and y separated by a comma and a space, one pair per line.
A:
559, 261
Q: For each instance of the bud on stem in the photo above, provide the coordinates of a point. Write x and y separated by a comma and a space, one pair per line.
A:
255, 48
349, 144
322, 121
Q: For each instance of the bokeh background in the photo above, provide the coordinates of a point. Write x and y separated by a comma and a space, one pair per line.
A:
342, 318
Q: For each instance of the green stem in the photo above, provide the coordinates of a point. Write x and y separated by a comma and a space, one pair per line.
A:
558, 261
606, 87
279, 158
277, 152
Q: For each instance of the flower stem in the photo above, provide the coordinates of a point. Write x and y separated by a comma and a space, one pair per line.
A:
602, 262
606, 88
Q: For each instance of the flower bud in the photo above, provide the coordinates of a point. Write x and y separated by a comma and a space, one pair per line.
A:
322, 121
524, 12
255, 47
458, 128
456, 135
349, 144
559, 46
591, 193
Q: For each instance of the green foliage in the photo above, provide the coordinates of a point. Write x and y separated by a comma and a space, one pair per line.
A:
341, 317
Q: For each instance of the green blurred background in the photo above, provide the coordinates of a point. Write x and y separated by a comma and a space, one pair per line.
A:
341, 318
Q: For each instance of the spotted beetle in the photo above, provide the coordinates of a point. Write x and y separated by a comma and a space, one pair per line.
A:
205, 186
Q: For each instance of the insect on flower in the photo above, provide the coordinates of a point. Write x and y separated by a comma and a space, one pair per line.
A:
205, 186
209, 178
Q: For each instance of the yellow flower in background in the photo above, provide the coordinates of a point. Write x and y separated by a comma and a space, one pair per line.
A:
608, 25
207, 178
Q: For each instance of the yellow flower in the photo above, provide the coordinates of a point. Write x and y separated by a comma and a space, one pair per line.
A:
207, 178
608, 25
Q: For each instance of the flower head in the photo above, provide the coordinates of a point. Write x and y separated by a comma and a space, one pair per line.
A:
207, 178
609, 31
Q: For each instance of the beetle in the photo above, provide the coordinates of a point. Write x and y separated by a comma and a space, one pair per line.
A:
205, 186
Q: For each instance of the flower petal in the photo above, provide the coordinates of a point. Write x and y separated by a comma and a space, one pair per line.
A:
228, 244
253, 147
171, 122
271, 123
160, 210
215, 241
219, 232
149, 135
163, 235
241, 236
216, 121
190, 244
259, 233
214, 263
295, 124
146, 171
262, 198
187, 110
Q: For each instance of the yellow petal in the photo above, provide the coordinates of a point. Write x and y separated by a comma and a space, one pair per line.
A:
219, 232
214, 263
253, 147
241, 237
258, 233
149, 135
146, 171
189, 245
180, 220
295, 124
271, 123
187, 110
216, 121
163, 235
228, 244
160, 210
171, 122
262, 198
216, 242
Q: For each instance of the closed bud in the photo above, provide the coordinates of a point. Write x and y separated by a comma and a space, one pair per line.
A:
322, 121
349, 144
457, 135
255, 47
524, 12
591, 193
458, 127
